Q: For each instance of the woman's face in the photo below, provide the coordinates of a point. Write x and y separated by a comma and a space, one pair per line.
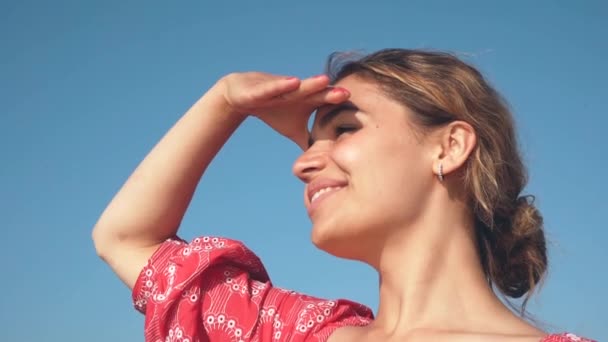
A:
367, 173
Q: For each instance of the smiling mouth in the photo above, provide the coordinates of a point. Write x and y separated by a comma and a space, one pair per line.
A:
323, 191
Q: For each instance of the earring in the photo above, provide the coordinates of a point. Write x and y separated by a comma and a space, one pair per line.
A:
440, 175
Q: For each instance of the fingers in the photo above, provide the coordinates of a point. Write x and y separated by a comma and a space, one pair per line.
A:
317, 91
335, 95
276, 88
330, 95
313, 91
313, 85
306, 88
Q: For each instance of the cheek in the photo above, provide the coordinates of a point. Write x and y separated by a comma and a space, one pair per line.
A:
347, 154
398, 174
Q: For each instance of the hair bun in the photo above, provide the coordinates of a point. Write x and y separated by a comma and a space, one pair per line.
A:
526, 219
524, 249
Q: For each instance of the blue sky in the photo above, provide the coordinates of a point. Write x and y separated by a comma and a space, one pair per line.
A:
87, 88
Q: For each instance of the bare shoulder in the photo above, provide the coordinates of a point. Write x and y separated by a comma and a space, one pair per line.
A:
473, 337
350, 334
362, 334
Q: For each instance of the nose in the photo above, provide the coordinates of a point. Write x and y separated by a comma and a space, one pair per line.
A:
310, 163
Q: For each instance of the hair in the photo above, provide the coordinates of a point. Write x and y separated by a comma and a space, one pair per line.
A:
439, 88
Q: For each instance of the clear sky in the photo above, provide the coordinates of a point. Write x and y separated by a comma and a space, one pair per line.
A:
88, 87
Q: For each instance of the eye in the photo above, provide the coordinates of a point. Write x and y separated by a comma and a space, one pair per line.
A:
341, 129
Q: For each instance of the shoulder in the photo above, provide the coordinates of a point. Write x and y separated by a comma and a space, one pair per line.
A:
177, 264
300, 317
217, 287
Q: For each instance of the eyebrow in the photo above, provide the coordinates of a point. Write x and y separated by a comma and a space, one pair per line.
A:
332, 114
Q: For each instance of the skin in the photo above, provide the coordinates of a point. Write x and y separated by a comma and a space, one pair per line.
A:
393, 213
388, 209
125, 236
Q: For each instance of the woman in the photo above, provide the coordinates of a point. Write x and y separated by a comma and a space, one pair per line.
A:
411, 167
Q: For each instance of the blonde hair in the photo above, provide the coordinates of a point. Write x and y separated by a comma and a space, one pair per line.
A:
440, 88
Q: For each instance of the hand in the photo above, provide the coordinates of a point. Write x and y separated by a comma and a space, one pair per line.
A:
284, 103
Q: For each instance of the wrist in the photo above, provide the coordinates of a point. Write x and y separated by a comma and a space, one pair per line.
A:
214, 101
220, 91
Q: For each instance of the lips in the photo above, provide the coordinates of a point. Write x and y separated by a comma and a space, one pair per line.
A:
318, 194
319, 189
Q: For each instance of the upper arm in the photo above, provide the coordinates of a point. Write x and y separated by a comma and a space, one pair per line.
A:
199, 287
218, 289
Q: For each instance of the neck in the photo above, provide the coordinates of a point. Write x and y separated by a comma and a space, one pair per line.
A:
431, 279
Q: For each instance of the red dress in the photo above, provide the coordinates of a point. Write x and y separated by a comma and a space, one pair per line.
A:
215, 289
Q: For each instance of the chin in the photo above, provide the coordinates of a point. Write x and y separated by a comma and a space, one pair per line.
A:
337, 242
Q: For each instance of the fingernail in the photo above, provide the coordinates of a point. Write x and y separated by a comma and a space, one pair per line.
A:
290, 78
320, 76
340, 90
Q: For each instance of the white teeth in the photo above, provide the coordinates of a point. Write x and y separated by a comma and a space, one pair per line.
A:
322, 191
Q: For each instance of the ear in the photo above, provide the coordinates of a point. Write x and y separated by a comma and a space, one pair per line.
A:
456, 142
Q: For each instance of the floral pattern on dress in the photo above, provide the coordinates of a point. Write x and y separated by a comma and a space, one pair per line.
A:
215, 289
565, 337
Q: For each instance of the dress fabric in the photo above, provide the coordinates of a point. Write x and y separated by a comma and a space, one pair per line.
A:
216, 289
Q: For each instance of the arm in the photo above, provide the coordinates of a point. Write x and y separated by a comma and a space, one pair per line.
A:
149, 207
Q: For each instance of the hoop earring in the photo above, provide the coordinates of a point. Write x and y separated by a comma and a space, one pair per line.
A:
440, 175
